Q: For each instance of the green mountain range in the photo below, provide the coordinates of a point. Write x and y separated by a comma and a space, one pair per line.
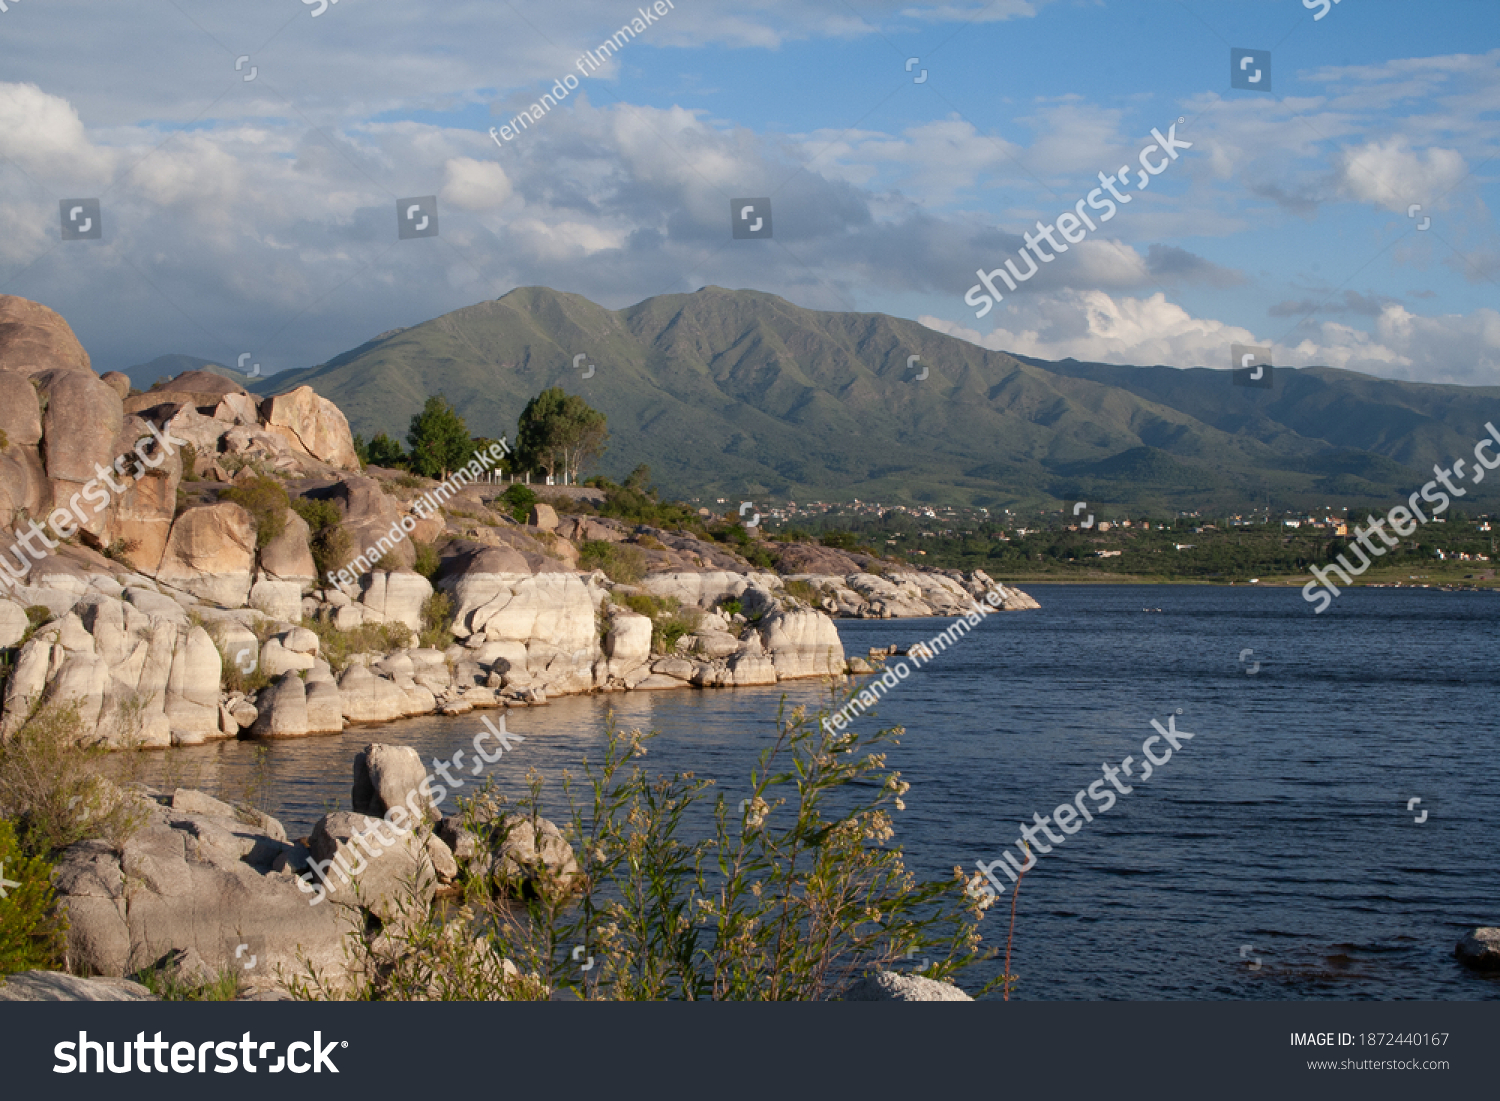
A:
743, 395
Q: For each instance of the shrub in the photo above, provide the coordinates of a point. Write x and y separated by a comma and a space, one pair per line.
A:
330, 544
758, 556
437, 618
169, 987
518, 500
731, 607
189, 455
804, 591
668, 629
669, 620
621, 563
794, 893
120, 550
31, 932
265, 499
337, 646
409, 481
427, 562
50, 789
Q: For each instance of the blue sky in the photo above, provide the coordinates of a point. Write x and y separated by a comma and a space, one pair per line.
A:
259, 215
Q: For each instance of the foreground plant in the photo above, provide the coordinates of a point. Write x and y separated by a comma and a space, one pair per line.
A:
789, 894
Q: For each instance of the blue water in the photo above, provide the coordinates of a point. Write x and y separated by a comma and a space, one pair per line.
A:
1281, 828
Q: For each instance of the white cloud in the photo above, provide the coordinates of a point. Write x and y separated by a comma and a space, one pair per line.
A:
1391, 175
1096, 328
474, 185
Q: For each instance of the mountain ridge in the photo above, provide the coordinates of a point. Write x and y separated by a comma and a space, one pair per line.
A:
740, 392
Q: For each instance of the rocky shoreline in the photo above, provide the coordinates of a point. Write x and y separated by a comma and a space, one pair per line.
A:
183, 608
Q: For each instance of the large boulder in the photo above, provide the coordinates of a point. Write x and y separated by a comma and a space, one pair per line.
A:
211, 553
628, 642
370, 515
34, 339
803, 643
288, 557
369, 864
395, 596
890, 986
1480, 949
386, 776
367, 698
204, 882
283, 710
81, 429
314, 423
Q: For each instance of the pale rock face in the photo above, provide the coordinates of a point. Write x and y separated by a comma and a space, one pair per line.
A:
396, 596
703, 589
554, 608
13, 623
325, 704
283, 710
142, 515
204, 882
20, 411
34, 338
315, 424
192, 704
276, 659
280, 600
210, 553
23, 484
803, 644
287, 557
369, 516
386, 776
543, 517
751, 669
628, 643
388, 866
368, 698
83, 420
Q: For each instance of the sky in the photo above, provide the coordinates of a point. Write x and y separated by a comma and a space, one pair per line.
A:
249, 159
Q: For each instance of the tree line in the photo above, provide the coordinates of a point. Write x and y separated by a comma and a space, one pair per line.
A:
558, 435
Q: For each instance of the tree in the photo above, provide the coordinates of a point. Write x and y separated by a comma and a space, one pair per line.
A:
559, 432
439, 439
384, 451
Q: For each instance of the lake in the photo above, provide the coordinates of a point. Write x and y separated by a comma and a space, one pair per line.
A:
1273, 856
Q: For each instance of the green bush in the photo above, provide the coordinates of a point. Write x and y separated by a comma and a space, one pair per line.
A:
330, 544
804, 591
31, 932
437, 618
337, 646
189, 455
793, 893
518, 500
621, 563
266, 500
427, 562
50, 787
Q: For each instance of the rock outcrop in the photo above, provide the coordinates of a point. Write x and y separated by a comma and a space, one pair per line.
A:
202, 880
1480, 949
891, 986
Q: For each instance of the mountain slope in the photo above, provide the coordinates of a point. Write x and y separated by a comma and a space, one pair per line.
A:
739, 393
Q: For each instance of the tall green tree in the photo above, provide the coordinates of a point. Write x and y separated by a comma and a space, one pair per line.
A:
384, 451
559, 433
439, 439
